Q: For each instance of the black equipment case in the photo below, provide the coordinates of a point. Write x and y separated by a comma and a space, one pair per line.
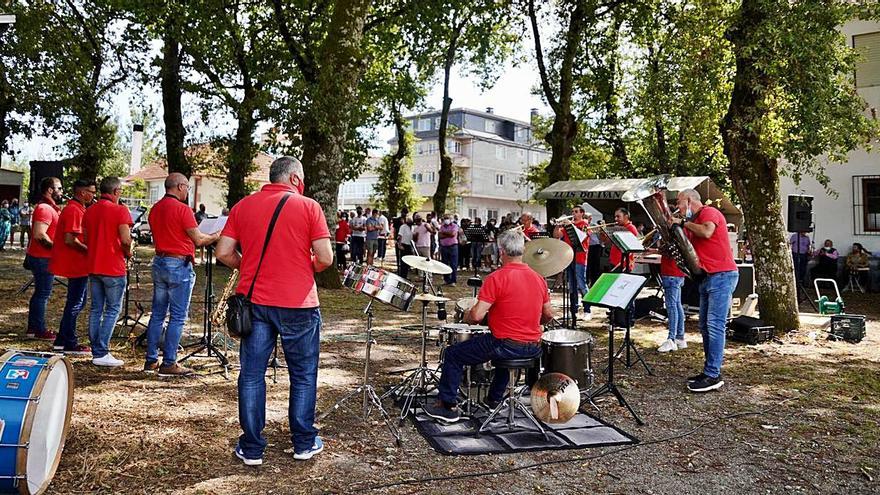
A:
850, 328
749, 330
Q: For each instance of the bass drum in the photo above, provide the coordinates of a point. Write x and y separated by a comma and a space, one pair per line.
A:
36, 399
568, 352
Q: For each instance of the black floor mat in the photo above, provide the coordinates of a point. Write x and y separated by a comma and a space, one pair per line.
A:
581, 431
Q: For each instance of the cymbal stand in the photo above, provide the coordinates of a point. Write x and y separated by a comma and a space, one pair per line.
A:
420, 379
366, 389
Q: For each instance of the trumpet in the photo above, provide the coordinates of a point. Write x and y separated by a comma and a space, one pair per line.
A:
219, 315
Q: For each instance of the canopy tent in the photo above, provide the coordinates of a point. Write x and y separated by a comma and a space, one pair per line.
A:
605, 195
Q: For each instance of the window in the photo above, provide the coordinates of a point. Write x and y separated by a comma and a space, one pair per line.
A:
521, 152
154, 194
429, 177
500, 152
866, 205
456, 146
472, 213
424, 124
420, 149
432, 148
491, 214
436, 122
868, 67
417, 177
489, 126
499, 180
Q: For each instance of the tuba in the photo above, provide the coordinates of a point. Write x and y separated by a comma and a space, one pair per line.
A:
651, 195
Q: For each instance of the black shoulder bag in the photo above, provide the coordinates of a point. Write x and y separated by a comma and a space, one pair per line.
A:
239, 309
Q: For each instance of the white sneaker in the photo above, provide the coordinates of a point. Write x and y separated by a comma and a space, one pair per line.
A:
681, 343
587, 316
107, 360
667, 346
245, 460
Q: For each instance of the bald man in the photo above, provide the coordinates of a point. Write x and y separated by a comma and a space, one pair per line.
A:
175, 237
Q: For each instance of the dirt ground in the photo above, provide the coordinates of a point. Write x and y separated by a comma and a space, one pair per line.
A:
799, 414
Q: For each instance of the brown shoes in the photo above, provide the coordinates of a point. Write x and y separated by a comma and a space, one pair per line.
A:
174, 370
151, 366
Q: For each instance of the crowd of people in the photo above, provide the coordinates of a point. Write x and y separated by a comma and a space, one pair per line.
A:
15, 218
828, 262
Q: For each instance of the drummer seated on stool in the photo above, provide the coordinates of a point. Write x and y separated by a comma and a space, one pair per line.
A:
517, 301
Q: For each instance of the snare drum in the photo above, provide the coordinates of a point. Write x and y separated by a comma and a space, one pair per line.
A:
36, 398
568, 352
387, 288
454, 333
462, 306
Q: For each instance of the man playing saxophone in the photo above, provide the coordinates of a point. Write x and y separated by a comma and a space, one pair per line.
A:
175, 236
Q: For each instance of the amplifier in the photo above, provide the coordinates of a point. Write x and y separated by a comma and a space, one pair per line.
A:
850, 328
749, 330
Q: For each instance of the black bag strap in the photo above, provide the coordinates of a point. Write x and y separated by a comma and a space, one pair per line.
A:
266, 242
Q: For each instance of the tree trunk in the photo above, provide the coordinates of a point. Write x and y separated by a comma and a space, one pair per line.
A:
444, 179
561, 140
241, 154
326, 133
175, 133
755, 174
394, 195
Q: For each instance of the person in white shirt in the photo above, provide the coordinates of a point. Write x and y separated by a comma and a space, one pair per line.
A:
404, 243
423, 234
358, 226
383, 236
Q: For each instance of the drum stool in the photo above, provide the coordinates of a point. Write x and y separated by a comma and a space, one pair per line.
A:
513, 400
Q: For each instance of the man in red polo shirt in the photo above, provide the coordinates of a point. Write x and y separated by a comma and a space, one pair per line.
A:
281, 286
707, 229
517, 301
175, 237
107, 230
576, 272
69, 260
44, 224
528, 225
615, 257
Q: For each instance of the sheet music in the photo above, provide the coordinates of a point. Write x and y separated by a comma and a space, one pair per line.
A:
211, 225
629, 241
615, 289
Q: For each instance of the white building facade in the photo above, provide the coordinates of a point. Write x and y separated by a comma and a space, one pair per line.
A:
851, 211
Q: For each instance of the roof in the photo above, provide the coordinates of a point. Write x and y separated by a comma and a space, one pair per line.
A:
472, 111
158, 169
597, 191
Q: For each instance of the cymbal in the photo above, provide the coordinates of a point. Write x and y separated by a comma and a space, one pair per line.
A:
427, 265
428, 297
547, 256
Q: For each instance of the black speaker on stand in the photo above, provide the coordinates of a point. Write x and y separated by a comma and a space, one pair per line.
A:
39, 171
800, 221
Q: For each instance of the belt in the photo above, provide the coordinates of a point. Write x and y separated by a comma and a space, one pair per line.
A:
521, 344
175, 256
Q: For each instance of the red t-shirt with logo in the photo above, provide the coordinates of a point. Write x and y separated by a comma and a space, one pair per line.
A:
286, 278
668, 267
530, 231
67, 261
580, 257
101, 228
170, 218
714, 253
517, 293
46, 212
342, 231
615, 255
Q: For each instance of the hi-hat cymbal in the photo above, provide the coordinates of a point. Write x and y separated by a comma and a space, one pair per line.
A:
547, 256
427, 265
428, 297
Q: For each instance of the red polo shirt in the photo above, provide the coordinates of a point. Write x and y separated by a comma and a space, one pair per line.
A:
101, 228
615, 255
580, 257
517, 293
170, 218
67, 261
668, 267
714, 253
46, 212
530, 231
286, 278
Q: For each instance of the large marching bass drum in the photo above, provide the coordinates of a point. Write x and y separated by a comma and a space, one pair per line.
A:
36, 398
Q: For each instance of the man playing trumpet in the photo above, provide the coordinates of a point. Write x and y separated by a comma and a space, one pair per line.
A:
576, 272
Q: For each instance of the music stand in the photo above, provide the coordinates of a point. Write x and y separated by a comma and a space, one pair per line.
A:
628, 244
615, 292
126, 320
476, 234
206, 341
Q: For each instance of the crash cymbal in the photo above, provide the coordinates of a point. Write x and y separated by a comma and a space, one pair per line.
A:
547, 256
427, 265
430, 298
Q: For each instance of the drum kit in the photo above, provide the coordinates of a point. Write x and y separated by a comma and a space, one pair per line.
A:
35, 406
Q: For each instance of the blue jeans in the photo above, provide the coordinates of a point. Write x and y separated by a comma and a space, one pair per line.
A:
107, 295
42, 290
476, 350
476, 254
800, 261
173, 282
716, 292
300, 331
357, 248
449, 256
77, 288
383, 246
577, 286
674, 310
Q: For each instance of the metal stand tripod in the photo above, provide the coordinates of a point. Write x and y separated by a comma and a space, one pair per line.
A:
366, 389
802, 292
205, 342
610, 387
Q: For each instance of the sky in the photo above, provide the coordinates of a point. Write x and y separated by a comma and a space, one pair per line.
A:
511, 96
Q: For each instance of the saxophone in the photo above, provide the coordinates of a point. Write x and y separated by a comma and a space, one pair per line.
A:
219, 315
